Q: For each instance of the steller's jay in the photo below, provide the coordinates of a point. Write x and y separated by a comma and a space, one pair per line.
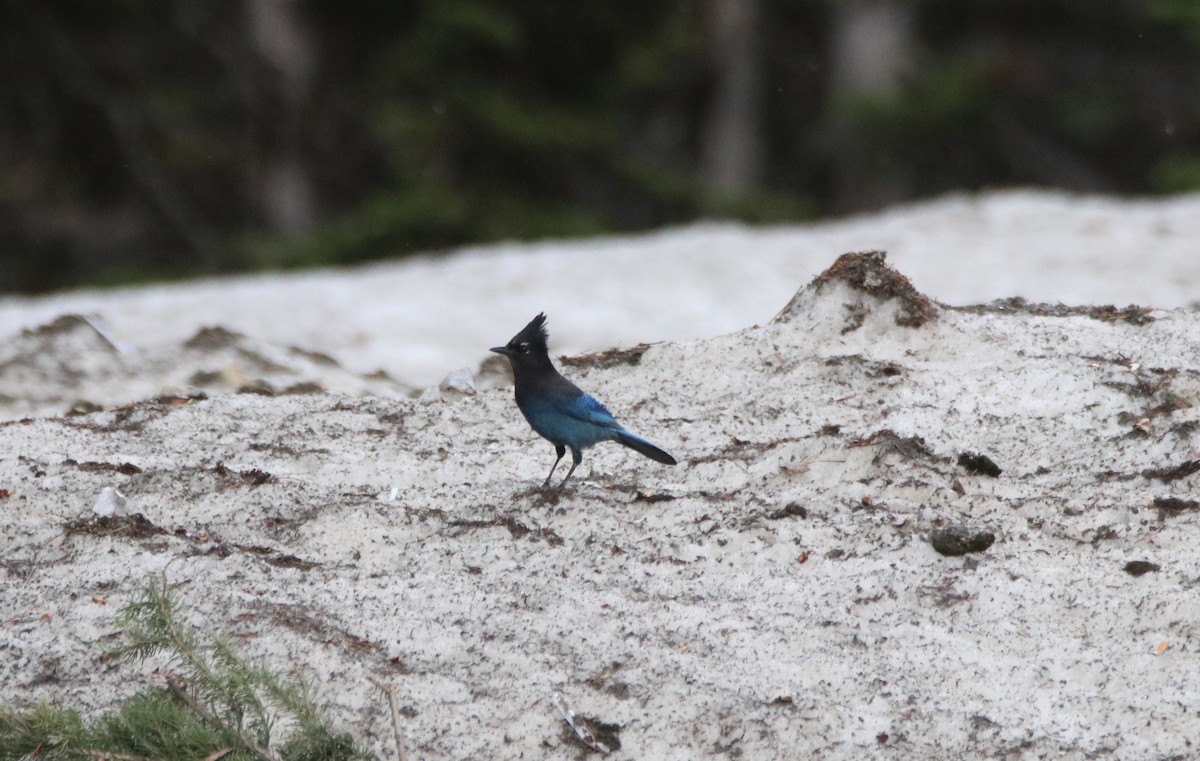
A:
555, 407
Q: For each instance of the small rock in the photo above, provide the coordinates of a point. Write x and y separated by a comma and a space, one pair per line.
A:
1139, 567
953, 541
979, 463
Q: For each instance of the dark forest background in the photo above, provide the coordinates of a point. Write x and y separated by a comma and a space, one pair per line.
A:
147, 139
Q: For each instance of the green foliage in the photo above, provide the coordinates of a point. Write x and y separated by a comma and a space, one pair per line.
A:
214, 701
45, 732
1178, 173
1185, 13
157, 724
944, 103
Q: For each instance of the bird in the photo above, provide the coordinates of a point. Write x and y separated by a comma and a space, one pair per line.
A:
557, 409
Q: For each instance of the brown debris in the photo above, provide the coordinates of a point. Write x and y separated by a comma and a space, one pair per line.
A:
908, 447
1167, 475
610, 358
136, 526
210, 338
867, 271
1132, 314
1171, 506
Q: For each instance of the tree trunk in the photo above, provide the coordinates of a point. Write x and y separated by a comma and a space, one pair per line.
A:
730, 152
871, 50
286, 191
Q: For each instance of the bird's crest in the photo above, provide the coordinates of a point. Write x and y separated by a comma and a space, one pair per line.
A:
534, 334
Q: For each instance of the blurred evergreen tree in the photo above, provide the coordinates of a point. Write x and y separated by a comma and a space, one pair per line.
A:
517, 120
142, 138
128, 129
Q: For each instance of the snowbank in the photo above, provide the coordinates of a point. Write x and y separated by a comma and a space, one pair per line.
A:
775, 595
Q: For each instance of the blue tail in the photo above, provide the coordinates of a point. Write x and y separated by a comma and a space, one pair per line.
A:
638, 444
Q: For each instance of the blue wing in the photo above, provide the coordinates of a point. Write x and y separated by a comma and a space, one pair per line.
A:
589, 410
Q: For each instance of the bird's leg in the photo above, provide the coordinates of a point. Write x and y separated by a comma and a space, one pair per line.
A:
577, 456
561, 451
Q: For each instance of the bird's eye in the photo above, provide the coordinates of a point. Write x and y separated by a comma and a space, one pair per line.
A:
524, 347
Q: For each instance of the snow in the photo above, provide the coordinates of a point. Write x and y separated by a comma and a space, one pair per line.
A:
421, 318
774, 595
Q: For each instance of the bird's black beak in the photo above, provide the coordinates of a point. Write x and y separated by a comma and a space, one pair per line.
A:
500, 350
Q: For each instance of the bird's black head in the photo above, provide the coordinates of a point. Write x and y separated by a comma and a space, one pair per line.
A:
529, 344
